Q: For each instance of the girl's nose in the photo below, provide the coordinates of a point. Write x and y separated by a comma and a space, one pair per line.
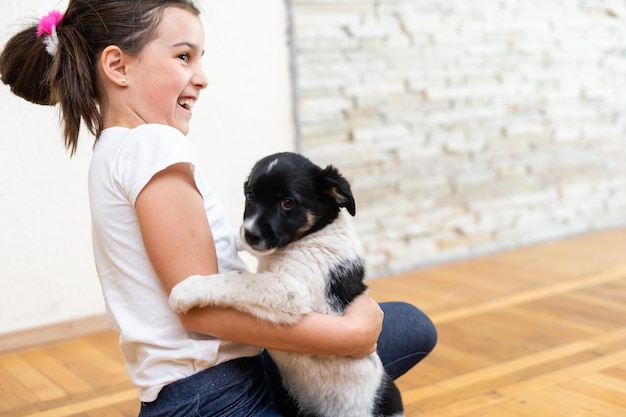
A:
200, 79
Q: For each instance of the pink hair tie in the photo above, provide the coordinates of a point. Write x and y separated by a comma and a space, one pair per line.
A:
47, 28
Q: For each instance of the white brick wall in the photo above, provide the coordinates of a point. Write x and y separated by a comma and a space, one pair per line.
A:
466, 126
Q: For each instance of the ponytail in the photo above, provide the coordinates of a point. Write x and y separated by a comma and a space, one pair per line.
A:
48, 76
24, 66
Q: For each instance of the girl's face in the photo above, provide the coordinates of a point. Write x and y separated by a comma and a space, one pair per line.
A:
166, 77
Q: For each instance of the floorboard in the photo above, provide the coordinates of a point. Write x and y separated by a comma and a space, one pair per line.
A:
536, 331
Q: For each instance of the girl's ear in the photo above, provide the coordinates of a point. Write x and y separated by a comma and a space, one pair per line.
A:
113, 64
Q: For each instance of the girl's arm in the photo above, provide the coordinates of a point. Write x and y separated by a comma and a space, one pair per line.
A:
350, 335
179, 243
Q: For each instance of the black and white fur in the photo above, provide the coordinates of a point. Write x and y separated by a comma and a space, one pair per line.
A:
310, 259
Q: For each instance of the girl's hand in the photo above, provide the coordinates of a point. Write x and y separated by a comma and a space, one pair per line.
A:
365, 320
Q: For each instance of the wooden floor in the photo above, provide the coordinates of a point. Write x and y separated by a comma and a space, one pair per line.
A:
539, 331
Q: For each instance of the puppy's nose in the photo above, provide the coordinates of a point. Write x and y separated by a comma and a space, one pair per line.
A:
252, 237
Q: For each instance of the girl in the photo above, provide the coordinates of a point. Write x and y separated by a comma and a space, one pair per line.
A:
130, 71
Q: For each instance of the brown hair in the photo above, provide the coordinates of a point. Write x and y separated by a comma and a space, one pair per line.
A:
69, 77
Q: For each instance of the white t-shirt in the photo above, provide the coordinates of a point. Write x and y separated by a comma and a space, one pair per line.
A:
157, 350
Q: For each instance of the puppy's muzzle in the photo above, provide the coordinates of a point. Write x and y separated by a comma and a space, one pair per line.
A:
254, 241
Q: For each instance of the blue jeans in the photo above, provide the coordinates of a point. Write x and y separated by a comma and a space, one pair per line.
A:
236, 388
250, 387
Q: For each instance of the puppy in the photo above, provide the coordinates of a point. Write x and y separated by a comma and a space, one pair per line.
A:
309, 259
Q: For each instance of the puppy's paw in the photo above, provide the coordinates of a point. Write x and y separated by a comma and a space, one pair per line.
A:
185, 295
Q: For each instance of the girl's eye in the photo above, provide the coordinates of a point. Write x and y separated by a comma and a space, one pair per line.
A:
184, 57
288, 204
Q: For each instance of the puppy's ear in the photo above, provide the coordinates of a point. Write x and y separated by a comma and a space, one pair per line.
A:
336, 186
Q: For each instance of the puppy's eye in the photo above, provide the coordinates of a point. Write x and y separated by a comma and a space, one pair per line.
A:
249, 196
288, 204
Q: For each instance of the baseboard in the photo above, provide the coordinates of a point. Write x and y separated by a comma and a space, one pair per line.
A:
53, 333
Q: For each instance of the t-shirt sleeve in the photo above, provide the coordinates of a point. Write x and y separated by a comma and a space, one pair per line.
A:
146, 152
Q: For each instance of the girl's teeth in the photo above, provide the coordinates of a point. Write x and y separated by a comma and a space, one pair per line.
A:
188, 104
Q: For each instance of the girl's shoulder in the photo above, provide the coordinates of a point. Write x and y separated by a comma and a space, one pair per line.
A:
131, 157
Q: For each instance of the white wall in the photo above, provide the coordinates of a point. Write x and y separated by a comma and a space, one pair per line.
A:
46, 264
